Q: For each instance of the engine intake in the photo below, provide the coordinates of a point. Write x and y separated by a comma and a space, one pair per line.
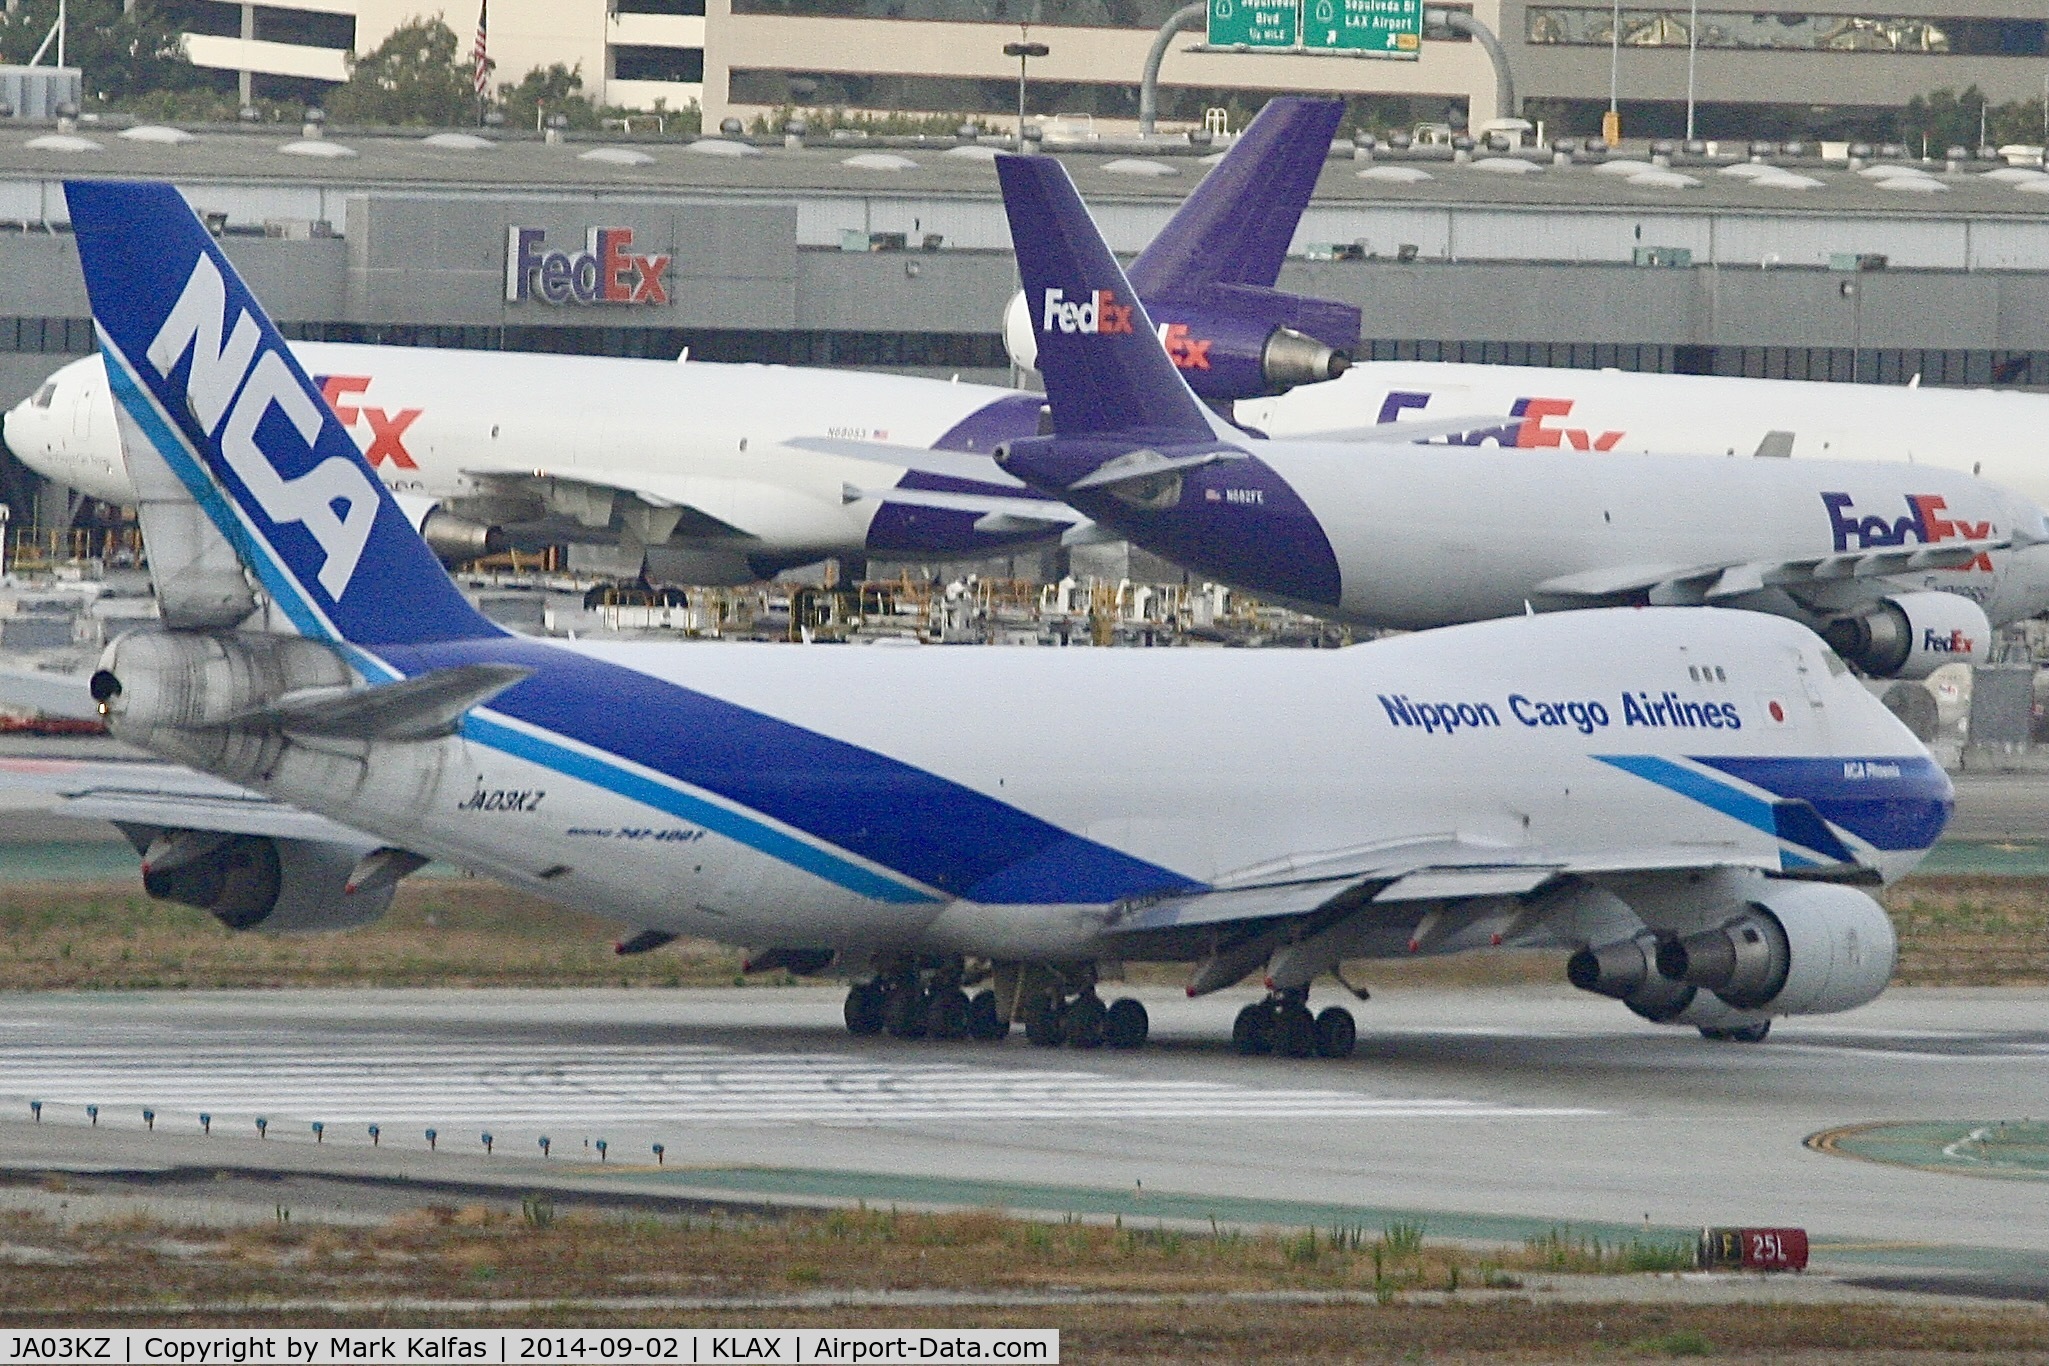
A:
256, 882
1801, 949
1911, 635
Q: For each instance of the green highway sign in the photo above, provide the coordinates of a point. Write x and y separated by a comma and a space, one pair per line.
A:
1256, 23
1379, 28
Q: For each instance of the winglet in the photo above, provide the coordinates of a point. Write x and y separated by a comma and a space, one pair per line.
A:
1106, 372
205, 380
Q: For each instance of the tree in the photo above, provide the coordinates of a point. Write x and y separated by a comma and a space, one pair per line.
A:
545, 91
123, 54
1942, 120
413, 76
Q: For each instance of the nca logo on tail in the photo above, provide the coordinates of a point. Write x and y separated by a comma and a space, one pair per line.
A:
229, 391
1098, 314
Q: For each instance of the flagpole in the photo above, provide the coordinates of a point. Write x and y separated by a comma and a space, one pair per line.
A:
480, 76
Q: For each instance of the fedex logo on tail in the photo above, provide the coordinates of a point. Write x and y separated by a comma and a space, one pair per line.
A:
606, 271
387, 425
1528, 433
1925, 522
231, 388
1096, 314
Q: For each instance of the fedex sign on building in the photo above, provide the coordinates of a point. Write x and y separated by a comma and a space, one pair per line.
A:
606, 271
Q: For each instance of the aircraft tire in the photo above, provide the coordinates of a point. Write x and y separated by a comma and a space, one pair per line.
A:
1752, 1033
1127, 1024
1336, 1033
1042, 1025
1294, 1031
864, 1010
1252, 1033
1082, 1021
903, 1011
946, 1016
985, 1022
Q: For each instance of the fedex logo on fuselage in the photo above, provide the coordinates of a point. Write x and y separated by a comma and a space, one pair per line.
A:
387, 426
1925, 522
1097, 314
1528, 432
606, 271
230, 388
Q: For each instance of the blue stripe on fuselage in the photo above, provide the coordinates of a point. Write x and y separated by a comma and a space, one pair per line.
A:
1890, 803
925, 828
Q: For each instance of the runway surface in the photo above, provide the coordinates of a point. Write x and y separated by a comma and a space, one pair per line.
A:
1543, 1105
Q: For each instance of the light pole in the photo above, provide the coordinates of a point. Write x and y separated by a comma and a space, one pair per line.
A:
1024, 52
1611, 126
1692, 47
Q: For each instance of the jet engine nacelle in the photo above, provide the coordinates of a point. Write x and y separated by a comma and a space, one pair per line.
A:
1800, 949
1257, 343
255, 882
1911, 635
456, 540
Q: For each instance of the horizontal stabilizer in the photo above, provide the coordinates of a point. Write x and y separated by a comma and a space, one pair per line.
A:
949, 464
1041, 511
154, 796
1147, 465
419, 708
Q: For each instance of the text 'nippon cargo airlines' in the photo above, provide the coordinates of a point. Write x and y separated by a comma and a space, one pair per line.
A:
1684, 797
694, 463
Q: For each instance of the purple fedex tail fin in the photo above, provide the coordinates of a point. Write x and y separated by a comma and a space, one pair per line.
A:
1106, 372
1235, 228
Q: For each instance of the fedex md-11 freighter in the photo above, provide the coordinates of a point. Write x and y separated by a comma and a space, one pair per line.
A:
699, 468
925, 819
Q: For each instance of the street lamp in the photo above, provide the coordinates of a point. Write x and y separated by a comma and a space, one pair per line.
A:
1024, 52
1692, 49
1611, 126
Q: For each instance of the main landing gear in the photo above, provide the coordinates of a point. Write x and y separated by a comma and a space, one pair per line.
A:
1282, 1024
929, 999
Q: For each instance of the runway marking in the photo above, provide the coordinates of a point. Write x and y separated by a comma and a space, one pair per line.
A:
389, 1078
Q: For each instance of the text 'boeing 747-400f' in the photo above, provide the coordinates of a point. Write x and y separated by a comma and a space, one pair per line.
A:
1688, 798
702, 466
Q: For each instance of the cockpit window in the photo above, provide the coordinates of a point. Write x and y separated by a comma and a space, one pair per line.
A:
1836, 667
43, 395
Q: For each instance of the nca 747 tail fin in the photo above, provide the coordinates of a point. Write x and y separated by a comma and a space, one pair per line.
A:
211, 397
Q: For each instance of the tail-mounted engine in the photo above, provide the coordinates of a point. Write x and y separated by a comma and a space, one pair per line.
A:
1235, 341
1911, 635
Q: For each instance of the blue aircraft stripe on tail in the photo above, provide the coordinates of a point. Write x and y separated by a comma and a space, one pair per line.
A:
169, 305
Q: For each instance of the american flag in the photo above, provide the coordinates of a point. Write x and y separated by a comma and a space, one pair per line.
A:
480, 75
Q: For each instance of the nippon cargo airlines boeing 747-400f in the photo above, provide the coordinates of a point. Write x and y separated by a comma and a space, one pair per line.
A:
1689, 799
695, 464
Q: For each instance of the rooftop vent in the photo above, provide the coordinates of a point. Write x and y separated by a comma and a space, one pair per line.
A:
722, 147
63, 142
1396, 175
879, 161
616, 156
317, 147
458, 142
1144, 166
156, 133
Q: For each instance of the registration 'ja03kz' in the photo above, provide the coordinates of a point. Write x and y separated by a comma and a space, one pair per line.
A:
311, 648
510, 1347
